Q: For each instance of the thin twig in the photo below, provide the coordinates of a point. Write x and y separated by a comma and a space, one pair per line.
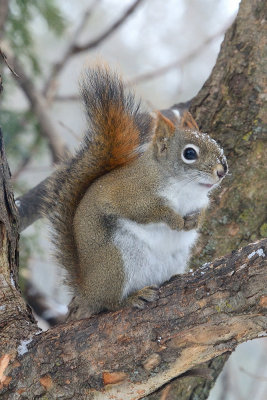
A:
95, 42
254, 376
71, 131
3, 55
39, 107
74, 48
174, 64
71, 97
56, 69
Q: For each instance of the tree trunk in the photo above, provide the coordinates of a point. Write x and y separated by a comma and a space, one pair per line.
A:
15, 317
231, 106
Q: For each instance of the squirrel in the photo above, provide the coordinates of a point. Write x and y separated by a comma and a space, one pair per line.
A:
124, 206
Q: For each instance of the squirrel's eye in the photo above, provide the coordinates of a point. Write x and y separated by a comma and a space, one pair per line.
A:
190, 154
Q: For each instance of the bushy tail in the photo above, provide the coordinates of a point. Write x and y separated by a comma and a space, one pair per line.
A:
117, 130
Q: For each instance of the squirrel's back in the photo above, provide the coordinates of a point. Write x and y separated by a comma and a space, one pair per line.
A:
117, 131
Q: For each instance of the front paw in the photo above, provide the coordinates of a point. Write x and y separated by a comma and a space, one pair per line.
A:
191, 221
143, 296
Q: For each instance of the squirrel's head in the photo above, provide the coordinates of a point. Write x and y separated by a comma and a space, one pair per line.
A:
188, 154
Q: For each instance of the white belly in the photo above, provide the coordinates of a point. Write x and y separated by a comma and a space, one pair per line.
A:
151, 253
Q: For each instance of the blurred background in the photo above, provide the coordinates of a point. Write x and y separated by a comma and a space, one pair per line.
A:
164, 49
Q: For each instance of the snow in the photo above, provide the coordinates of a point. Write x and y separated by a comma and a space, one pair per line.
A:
260, 253
206, 265
12, 281
262, 334
22, 348
159, 339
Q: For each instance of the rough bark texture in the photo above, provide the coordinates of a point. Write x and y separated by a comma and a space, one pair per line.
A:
192, 387
198, 316
15, 318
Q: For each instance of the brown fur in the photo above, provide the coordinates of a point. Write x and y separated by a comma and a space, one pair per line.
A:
188, 122
116, 130
117, 173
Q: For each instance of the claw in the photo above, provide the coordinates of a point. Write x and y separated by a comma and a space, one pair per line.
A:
143, 296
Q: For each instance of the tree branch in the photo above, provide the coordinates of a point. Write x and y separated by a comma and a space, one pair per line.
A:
198, 316
39, 107
95, 42
29, 205
4, 57
56, 69
74, 48
177, 63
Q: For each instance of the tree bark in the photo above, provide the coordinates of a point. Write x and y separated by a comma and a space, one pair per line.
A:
15, 318
232, 107
198, 316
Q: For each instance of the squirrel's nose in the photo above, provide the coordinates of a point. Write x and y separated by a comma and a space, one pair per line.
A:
220, 173
221, 170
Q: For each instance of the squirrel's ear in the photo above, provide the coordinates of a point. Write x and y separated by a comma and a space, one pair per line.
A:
187, 121
164, 130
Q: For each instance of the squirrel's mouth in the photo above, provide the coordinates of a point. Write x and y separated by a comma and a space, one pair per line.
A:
207, 185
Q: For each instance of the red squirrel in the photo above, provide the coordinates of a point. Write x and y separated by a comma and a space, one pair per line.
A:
122, 204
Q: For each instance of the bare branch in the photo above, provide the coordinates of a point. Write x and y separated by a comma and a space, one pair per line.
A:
29, 205
39, 106
71, 131
71, 97
197, 317
260, 378
177, 63
95, 42
56, 69
74, 48
4, 57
